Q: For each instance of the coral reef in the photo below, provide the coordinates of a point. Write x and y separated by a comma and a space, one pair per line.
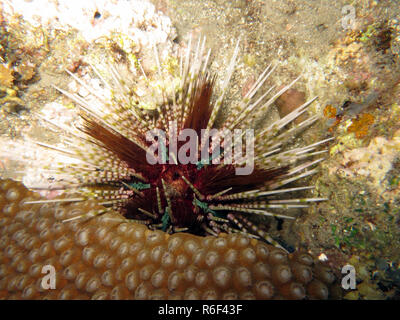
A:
353, 71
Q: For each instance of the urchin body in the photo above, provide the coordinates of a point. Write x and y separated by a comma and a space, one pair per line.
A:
204, 197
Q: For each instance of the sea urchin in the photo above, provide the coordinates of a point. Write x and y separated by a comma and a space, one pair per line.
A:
152, 166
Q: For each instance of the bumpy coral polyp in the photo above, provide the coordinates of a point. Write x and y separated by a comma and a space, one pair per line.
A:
107, 257
361, 125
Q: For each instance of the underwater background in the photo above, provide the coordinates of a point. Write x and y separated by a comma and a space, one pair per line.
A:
347, 53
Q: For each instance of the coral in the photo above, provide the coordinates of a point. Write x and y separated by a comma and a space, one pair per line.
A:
96, 19
361, 125
6, 77
109, 257
330, 111
373, 161
9, 100
360, 223
367, 288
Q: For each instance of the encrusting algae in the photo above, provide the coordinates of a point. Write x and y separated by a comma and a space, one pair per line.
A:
107, 257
